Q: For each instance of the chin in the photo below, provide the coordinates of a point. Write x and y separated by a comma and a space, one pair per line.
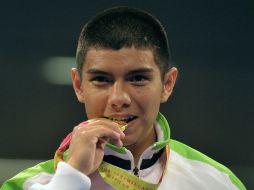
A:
129, 142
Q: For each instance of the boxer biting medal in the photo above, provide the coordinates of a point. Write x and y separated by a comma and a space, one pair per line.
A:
110, 173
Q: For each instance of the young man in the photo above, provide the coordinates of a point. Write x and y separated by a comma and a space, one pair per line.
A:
123, 74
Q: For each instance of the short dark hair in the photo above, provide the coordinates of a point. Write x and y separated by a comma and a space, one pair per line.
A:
124, 27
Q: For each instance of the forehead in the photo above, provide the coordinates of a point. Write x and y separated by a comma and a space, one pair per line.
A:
123, 58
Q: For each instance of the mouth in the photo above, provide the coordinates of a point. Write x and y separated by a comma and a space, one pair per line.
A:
125, 119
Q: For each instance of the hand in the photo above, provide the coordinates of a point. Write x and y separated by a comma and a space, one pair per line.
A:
86, 149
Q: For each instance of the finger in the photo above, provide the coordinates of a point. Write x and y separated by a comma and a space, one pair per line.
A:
102, 123
102, 142
105, 135
102, 131
118, 142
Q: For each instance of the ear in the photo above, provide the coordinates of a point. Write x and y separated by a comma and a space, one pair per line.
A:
168, 84
76, 83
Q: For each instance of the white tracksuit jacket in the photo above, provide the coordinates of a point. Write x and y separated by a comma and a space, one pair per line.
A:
187, 169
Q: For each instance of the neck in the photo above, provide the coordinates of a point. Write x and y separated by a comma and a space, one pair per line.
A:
138, 148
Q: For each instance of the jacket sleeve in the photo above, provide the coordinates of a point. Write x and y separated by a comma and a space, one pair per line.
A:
65, 178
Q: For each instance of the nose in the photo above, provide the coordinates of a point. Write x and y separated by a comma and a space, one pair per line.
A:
119, 96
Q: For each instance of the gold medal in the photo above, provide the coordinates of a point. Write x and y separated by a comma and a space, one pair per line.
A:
122, 125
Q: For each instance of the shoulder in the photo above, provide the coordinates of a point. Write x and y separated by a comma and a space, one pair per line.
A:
17, 182
199, 170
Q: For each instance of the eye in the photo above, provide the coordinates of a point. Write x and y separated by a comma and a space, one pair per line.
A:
139, 79
100, 80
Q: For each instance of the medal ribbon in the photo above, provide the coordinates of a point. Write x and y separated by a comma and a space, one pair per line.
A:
118, 178
122, 180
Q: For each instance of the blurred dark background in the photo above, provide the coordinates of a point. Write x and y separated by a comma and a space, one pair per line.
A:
212, 105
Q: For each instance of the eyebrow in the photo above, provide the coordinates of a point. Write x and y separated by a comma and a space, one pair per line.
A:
131, 72
97, 71
141, 70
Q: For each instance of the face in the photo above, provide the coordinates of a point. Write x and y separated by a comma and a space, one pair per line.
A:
125, 84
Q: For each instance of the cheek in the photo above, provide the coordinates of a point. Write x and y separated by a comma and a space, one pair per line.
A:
149, 99
94, 104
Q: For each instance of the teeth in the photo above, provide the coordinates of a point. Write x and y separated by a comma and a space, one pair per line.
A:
125, 119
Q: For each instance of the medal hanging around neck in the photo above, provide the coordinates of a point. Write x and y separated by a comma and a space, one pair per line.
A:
118, 178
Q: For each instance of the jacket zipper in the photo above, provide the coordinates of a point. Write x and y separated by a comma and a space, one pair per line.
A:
136, 171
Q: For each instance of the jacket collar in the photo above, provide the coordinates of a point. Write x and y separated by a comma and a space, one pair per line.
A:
123, 158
